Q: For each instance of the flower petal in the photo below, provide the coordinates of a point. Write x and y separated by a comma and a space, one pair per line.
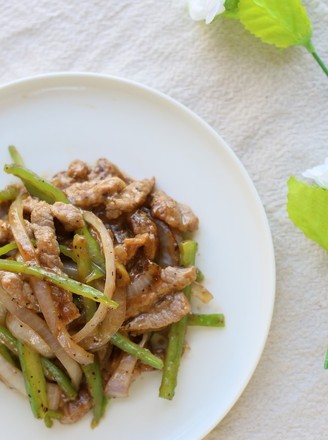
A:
205, 9
319, 174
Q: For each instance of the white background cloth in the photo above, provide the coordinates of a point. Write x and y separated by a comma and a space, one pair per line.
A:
269, 105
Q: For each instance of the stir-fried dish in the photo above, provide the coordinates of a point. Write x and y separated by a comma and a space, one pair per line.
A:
97, 274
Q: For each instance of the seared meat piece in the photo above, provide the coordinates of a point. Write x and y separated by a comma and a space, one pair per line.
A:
104, 169
70, 216
5, 232
44, 231
62, 180
78, 170
156, 285
75, 410
176, 215
140, 224
48, 253
170, 309
66, 309
19, 290
127, 250
67, 214
132, 196
90, 194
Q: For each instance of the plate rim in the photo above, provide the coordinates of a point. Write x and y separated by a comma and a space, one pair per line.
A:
89, 76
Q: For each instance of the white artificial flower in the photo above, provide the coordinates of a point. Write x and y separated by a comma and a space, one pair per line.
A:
205, 9
319, 174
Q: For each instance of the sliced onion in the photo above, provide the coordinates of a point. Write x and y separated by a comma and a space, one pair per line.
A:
25, 334
108, 250
141, 282
12, 376
109, 288
54, 393
40, 327
18, 228
110, 325
120, 381
3, 313
200, 292
73, 349
168, 254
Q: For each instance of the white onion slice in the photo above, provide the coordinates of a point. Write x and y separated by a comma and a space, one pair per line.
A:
120, 381
12, 376
110, 325
25, 334
54, 393
109, 288
3, 313
200, 292
40, 327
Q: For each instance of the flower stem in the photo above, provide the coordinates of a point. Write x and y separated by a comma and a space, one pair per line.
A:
309, 46
320, 62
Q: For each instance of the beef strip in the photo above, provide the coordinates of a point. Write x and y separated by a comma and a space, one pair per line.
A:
176, 215
132, 197
61, 180
103, 169
168, 310
70, 216
94, 193
126, 251
140, 223
162, 283
75, 410
78, 171
5, 232
19, 290
48, 253
44, 231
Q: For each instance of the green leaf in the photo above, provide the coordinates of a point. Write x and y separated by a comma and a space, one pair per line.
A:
307, 207
282, 23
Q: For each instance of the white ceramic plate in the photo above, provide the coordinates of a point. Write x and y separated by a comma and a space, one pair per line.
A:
54, 119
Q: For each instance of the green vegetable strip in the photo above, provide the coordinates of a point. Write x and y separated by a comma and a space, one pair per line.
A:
68, 252
59, 280
93, 247
200, 275
96, 272
51, 371
49, 415
211, 320
55, 374
4, 352
35, 382
7, 339
9, 193
37, 186
80, 251
14, 154
7, 248
143, 354
94, 380
188, 249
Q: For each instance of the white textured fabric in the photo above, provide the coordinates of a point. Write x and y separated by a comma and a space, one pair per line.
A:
271, 108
